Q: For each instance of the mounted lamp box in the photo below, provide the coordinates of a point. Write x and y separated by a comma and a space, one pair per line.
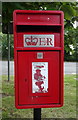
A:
38, 58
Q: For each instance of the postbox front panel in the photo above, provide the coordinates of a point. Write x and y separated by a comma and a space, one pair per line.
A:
38, 83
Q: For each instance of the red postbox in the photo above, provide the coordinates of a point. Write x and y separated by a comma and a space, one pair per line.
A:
38, 58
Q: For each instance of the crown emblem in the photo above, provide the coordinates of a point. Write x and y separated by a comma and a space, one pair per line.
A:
31, 40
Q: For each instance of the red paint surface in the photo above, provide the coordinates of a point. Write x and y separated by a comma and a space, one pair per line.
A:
37, 22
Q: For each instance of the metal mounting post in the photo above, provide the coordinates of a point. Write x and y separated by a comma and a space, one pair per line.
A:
37, 113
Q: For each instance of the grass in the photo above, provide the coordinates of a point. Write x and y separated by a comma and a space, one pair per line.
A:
67, 111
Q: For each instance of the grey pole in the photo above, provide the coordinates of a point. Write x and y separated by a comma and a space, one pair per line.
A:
8, 54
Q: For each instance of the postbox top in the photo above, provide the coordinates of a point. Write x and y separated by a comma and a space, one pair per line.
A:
39, 11
38, 17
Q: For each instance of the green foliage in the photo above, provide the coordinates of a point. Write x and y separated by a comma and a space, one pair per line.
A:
71, 38
4, 46
70, 10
